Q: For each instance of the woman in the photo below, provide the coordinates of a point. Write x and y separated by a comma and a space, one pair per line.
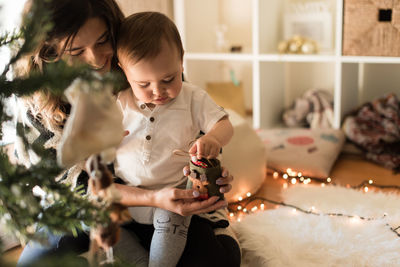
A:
85, 31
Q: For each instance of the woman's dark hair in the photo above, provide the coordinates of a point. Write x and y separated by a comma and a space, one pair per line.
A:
68, 16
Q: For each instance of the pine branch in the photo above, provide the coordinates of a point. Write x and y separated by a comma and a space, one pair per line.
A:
35, 26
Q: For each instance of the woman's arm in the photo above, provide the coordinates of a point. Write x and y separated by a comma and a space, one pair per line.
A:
180, 201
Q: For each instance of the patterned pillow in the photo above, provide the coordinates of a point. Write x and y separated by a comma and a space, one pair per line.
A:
309, 151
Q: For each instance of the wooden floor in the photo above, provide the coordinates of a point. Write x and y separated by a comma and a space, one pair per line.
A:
348, 170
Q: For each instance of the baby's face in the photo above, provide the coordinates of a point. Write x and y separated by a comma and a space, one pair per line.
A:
156, 81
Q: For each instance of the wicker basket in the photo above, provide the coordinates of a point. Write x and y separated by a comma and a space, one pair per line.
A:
371, 28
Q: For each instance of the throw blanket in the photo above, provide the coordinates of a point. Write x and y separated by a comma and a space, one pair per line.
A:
375, 128
314, 109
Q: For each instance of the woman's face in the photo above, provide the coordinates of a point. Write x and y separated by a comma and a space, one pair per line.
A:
92, 45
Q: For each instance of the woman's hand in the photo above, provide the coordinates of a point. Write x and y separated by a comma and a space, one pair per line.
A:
183, 202
224, 182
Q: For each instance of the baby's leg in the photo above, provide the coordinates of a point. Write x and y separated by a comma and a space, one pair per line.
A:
169, 238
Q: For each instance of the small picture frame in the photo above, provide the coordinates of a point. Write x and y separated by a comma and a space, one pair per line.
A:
311, 20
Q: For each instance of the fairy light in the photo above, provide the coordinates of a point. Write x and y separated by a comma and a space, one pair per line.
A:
293, 181
240, 198
328, 179
355, 220
323, 185
299, 174
275, 175
301, 179
288, 170
370, 181
248, 194
285, 176
366, 189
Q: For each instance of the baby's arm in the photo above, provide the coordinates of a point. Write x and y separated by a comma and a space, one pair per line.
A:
209, 145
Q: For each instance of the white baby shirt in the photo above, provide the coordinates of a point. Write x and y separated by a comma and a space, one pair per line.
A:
145, 156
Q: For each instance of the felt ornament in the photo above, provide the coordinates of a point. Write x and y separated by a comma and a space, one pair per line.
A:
94, 125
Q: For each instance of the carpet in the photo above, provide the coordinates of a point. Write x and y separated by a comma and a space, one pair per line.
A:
286, 237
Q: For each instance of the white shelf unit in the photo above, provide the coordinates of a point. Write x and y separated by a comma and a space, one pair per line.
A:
272, 81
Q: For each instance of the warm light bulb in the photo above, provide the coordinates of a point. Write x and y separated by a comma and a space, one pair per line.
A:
240, 198
285, 176
244, 210
355, 219
323, 185
370, 181
238, 219
301, 179
328, 179
366, 189
248, 194
231, 214
293, 181
288, 170
253, 209
262, 206
275, 175
239, 207
299, 174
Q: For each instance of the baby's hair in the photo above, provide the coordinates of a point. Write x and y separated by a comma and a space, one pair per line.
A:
141, 36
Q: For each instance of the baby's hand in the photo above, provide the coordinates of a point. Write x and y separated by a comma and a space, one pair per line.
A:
206, 146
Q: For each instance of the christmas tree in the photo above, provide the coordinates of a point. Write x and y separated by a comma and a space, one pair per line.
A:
58, 208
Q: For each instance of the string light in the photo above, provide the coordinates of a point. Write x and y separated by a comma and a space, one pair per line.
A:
240, 198
328, 179
366, 189
248, 194
285, 176
275, 175
353, 219
370, 181
293, 181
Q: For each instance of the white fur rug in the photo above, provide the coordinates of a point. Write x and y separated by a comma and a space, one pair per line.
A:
283, 237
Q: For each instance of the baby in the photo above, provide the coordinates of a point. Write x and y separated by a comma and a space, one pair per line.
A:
162, 114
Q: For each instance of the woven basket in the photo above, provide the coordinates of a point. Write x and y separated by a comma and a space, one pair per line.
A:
371, 28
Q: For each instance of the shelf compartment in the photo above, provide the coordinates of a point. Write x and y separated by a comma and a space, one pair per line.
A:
282, 83
201, 19
200, 72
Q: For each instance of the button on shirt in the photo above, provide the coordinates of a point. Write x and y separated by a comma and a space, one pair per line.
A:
145, 157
